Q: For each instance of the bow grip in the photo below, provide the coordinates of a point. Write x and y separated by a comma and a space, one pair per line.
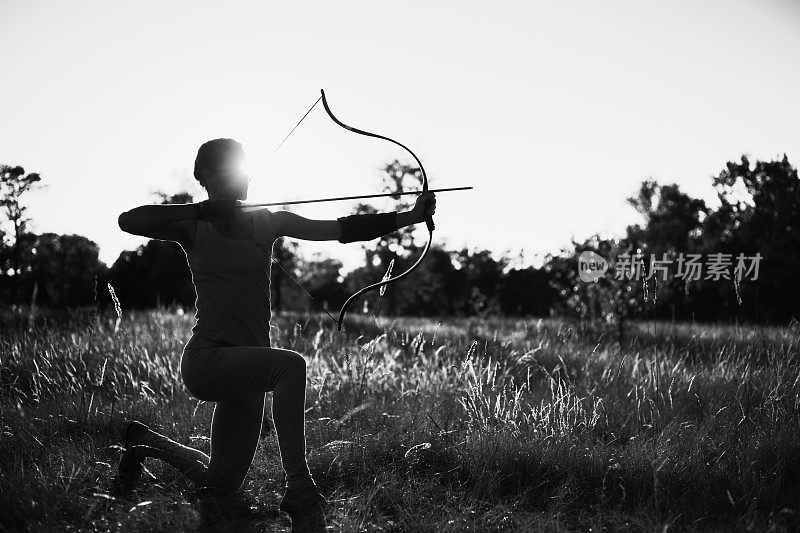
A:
428, 219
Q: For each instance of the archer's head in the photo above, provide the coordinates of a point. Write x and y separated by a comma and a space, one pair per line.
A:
219, 167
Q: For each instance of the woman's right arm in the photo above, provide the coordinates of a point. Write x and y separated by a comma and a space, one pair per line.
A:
171, 222
175, 222
145, 218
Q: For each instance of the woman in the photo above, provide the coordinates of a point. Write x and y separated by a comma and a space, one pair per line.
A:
228, 359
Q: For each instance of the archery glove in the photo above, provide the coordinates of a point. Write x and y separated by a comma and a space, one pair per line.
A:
367, 227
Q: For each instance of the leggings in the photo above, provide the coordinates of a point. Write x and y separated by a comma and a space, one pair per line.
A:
237, 378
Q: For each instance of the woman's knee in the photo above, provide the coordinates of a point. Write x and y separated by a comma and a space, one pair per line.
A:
295, 361
292, 366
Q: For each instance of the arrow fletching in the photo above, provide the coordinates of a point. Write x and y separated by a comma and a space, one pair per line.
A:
386, 276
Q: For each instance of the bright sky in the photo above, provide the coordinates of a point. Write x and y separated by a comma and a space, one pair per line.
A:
553, 111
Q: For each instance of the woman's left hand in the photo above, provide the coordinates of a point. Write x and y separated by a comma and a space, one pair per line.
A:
425, 206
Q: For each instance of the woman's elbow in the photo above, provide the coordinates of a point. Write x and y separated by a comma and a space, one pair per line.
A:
124, 222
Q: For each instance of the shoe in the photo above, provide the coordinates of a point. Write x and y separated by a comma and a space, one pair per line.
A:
136, 432
147, 443
130, 469
306, 507
130, 465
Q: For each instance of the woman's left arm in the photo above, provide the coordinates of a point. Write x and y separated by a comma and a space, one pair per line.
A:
288, 224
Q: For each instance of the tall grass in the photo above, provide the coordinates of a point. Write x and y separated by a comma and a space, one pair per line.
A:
423, 425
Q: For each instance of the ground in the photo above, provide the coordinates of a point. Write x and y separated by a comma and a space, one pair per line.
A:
480, 424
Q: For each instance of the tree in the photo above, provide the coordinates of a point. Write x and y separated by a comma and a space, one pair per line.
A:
478, 276
672, 218
64, 268
672, 225
14, 183
609, 300
157, 272
321, 277
760, 213
526, 292
180, 197
398, 246
282, 278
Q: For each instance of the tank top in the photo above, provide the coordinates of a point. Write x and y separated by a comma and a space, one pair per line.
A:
231, 278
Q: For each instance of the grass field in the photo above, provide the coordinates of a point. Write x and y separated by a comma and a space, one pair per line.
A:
416, 425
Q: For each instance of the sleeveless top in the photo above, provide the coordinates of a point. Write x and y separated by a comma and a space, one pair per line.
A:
231, 278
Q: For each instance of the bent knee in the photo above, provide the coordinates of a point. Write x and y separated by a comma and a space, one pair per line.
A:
296, 361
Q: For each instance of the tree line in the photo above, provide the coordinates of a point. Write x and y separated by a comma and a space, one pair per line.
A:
756, 212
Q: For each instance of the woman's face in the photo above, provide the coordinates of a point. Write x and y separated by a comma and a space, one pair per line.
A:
231, 180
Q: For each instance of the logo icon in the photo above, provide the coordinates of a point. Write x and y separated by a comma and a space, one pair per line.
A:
591, 266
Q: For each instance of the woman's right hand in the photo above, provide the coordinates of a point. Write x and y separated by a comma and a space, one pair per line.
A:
217, 209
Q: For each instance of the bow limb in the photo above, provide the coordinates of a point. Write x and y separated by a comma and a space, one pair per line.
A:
428, 220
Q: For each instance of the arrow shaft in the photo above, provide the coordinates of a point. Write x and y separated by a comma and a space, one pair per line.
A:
247, 207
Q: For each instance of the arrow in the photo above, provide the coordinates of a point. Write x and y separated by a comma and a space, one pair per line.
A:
252, 207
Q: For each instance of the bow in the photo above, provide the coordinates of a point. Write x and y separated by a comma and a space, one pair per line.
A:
428, 220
